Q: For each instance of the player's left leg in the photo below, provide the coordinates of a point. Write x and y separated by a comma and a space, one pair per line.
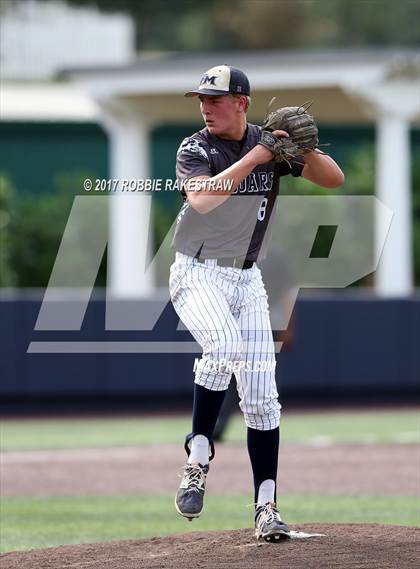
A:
260, 406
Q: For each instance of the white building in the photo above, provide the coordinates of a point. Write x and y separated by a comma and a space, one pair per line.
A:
38, 38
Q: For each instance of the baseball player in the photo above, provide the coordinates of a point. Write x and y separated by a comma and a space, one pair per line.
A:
229, 173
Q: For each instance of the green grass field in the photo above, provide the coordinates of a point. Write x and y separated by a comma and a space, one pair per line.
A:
35, 522
29, 522
347, 427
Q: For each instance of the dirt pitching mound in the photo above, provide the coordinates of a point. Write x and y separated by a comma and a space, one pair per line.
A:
343, 546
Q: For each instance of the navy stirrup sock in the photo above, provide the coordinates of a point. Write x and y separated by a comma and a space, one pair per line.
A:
263, 449
206, 409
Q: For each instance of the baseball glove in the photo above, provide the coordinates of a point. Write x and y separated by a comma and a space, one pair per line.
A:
283, 148
298, 123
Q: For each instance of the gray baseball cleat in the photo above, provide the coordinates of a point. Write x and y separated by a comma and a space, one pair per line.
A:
190, 496
269, 525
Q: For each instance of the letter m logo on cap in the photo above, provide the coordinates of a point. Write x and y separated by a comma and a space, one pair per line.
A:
210, 79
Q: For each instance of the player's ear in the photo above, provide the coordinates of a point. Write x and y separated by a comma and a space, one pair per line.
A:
242, 103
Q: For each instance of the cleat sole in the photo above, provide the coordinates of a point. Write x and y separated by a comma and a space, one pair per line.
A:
187, 515
275, 537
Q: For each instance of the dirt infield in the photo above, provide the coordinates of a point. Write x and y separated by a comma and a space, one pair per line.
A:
328, 470
352, 546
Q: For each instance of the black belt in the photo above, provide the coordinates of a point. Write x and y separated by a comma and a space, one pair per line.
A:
236, 262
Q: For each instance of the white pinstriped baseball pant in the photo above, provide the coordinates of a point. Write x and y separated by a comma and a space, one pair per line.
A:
226, 311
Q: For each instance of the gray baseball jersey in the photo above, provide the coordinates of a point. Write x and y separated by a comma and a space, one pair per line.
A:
238, 227
225, 308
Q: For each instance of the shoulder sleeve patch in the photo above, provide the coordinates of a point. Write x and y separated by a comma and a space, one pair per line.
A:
192, 146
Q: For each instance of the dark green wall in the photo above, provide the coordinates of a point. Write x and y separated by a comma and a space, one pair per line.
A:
36, 155
47, 157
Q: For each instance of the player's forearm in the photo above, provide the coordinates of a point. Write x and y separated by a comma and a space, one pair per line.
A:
206, 195
322, 170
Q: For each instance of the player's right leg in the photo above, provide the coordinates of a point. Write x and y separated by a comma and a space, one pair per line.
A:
203, 306
204, 309
189, 499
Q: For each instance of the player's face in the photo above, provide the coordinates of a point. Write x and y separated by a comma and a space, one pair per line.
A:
221, 114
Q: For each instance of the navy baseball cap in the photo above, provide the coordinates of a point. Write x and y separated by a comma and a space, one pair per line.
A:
222, 80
